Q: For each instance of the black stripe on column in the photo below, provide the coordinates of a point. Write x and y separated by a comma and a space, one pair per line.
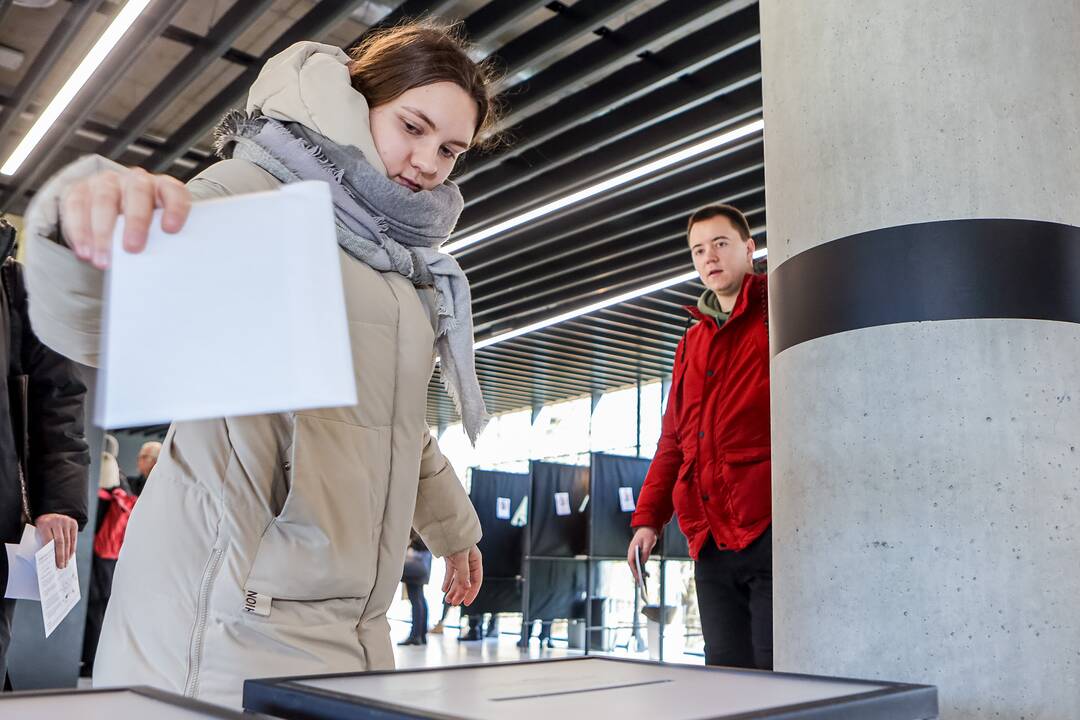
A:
948, 270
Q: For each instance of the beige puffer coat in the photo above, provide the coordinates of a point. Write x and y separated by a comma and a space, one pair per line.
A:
311, 509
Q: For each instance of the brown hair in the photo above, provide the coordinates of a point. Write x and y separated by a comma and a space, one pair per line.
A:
731, 212
391, 61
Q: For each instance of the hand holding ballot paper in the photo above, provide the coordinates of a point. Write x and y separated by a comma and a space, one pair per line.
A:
243, 300
641, 546
33, 574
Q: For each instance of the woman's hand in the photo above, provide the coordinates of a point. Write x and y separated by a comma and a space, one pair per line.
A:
464, 575
89, 210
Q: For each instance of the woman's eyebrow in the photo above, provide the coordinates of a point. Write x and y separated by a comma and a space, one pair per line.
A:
434, 128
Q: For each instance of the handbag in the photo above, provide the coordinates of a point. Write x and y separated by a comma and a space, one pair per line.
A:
417, 568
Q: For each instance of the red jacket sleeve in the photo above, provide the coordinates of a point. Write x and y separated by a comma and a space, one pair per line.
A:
655, 506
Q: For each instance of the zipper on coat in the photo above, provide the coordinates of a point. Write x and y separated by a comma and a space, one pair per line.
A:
191, 687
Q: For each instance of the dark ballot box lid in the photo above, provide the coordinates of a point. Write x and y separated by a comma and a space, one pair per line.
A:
586, 687
111, 704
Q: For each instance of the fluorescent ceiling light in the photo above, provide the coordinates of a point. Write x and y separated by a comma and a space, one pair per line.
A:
75, 82
621, 179
607, 302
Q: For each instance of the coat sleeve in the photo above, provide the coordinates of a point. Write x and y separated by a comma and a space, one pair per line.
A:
444, 516
655, 506
59, 459
67, 293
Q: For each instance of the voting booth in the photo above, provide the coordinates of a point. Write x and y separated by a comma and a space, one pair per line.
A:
110, 704
615, 486
546, 533
556, 543
559, 510
587, 687
615, 483
501, 503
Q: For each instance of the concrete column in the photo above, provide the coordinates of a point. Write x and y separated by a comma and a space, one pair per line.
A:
926, 409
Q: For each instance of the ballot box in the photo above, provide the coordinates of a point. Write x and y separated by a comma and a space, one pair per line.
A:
586, 687
110, 704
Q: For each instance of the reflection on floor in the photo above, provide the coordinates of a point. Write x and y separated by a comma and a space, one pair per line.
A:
446, 649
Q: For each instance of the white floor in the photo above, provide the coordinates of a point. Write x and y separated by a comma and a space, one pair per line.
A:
446, 649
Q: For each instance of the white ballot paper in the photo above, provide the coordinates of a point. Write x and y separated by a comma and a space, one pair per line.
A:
502, 508
562, 503
22, 581
242, 312
59, 588
33, 575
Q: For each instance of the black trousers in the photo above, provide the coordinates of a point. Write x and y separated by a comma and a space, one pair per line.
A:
734, 590
7, 613
101, 576
419, 610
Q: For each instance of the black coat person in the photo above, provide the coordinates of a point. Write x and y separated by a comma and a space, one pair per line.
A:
44, 460
415, 575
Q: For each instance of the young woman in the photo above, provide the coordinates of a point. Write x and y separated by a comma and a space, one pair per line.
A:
273, 545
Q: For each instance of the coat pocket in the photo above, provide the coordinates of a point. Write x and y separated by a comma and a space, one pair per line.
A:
681, 492
748, 474
324, 543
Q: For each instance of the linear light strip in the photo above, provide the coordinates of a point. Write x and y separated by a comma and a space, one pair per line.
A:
120, 25
607, 302
621, 179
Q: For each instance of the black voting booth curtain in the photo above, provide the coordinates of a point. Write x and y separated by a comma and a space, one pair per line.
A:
503, 543
493, 494
556, 589
558, 489
610, 529
558, 528
497, 595
610, 523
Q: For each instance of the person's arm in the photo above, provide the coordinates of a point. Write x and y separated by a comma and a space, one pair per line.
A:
104, 501
67, 291
3, 574
68, 234
655, 505
447, 522
58, 457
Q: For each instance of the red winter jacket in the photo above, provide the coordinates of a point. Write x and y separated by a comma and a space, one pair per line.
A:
114, 511
712, 466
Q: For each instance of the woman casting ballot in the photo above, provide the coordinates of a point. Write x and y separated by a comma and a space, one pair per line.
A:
273, 545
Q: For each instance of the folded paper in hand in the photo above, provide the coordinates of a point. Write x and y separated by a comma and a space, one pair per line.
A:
33, 575
242, 312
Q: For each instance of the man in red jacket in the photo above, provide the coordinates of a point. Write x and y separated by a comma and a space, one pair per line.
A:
712, 465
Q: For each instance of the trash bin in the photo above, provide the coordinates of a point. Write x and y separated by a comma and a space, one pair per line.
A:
601, 639
575, 633
653, 613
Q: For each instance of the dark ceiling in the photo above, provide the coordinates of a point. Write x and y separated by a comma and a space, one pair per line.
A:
594, 88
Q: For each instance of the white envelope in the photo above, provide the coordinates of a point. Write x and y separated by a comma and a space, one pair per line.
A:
22, 580
240, 313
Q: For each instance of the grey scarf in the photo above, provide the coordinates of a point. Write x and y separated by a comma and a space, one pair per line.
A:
382, 224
